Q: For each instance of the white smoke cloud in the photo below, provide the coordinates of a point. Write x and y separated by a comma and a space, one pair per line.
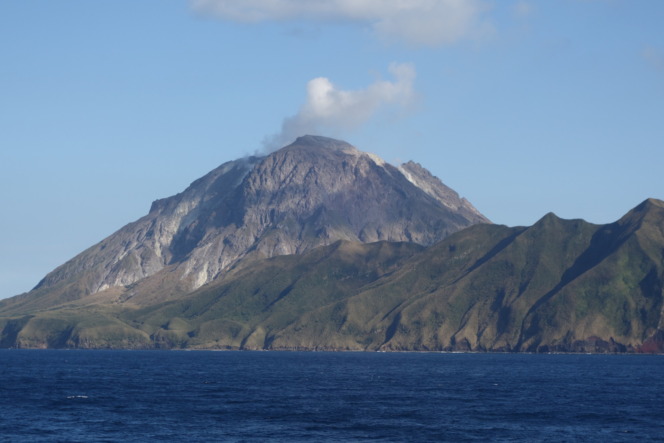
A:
331, 110
417, 22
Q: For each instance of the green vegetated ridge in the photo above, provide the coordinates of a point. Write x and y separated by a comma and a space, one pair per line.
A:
557, 286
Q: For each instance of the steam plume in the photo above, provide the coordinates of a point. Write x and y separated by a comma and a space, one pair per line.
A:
331, 110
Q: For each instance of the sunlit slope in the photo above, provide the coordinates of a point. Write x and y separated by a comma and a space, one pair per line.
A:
559, 285
308, 194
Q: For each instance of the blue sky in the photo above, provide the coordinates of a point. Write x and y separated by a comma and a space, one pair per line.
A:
523, 107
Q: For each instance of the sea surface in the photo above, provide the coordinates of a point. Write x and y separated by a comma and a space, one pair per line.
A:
139, 396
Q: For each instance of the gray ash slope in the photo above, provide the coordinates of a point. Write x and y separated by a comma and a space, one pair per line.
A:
308, 194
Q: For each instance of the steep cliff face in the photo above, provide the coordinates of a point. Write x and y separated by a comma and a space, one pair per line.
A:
311, 193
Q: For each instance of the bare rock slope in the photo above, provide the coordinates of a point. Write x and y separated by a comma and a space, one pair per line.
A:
308, 194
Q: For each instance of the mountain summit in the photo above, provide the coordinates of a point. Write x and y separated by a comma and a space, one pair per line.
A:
320, 246
311, 193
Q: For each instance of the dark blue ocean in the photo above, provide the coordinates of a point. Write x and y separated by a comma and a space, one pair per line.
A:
138, 396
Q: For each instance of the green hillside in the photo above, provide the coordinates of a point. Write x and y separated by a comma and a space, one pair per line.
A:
557, 286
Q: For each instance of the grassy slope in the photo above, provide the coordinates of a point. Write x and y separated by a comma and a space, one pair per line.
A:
561, 285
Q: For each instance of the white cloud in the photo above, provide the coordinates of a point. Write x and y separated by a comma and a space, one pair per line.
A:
331, 110
418, 22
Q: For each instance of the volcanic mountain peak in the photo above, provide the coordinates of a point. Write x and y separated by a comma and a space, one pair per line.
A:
311, 193
327, 148
316, 142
